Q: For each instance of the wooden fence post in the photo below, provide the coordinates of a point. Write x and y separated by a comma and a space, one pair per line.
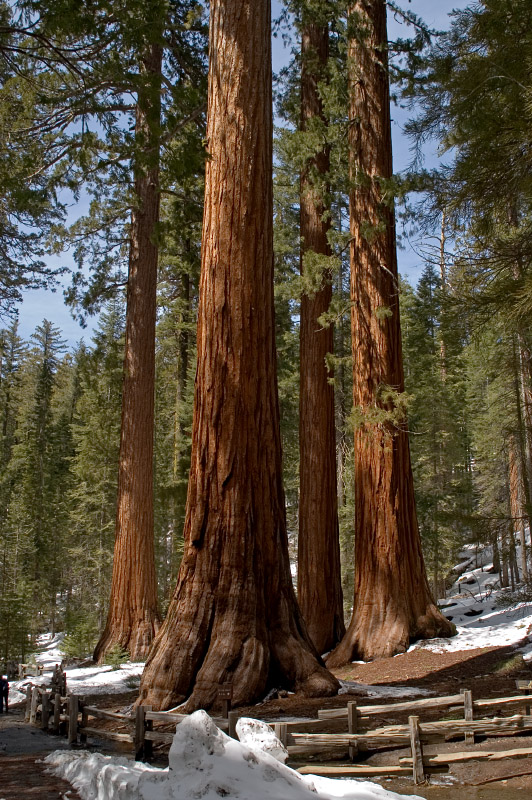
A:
140, 723
233, 719
526, 691
34, 703
281, 731
73, 709
352, 727
469, 738
148, 743
57, 712
417, 750
45, 710
225, 695
84, 721
28, 703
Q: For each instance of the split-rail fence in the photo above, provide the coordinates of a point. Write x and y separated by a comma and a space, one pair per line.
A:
334, 734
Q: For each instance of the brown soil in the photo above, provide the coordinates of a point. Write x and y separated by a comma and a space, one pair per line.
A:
24, 778
22, 775
488, 672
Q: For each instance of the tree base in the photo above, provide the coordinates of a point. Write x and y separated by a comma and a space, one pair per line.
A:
137, 642
189, 670
365, 641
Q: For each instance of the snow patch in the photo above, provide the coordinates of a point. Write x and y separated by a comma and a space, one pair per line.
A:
204, 763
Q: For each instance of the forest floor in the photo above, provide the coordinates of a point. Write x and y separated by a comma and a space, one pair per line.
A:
488, 672
22, 775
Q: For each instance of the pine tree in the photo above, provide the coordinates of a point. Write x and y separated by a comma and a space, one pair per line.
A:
39, 467
92, 496
433, 343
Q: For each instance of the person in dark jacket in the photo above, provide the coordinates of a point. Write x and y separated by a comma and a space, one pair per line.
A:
4, 693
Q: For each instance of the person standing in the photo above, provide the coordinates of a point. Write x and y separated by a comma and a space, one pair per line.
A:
4, 693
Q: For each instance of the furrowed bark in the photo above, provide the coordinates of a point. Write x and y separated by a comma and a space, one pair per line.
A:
233, 616
133, 619
319, 585
392, 605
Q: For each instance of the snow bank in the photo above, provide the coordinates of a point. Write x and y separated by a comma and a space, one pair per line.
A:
491, 628
205, 763
92, 680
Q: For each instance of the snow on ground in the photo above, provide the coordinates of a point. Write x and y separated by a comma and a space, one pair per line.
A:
472, 607
80, 680
88, 680
50, 652
205, 763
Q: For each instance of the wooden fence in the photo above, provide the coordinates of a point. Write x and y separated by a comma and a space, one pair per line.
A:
71, 715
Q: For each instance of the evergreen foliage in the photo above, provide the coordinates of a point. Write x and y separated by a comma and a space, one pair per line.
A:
67, 133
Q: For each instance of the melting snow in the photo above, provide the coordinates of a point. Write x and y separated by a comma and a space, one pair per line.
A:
205, 763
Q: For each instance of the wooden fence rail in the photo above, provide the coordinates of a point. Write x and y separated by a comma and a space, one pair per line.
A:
71, 716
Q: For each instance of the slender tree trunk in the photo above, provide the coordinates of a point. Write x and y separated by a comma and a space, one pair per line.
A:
234, 617
392, 605
319, 584
517, 504
496, 552
133, 620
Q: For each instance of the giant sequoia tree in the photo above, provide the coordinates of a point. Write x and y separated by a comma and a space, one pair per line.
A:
392, 604
319, 585
234, 616
133, 617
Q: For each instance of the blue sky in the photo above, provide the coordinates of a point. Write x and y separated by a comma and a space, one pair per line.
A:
46, 304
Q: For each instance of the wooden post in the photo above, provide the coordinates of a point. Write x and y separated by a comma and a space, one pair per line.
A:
526, 691
469, 738
352, 727
45, 712
73, 709
34, 703
140, 723
148, 744
28, 703
281, 731
233, 719
417, 751
225, 695
84, 721
57, 712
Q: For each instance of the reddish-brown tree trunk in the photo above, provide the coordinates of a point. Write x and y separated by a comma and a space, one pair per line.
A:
234, 617
517, 504
392, 605
133, 619
319, 585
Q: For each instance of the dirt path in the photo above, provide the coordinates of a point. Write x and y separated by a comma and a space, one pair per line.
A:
22, 777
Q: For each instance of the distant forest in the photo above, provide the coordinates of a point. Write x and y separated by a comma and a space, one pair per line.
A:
107, 102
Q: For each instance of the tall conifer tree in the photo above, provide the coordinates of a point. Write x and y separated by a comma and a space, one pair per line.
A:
234, 616
318, 572
392, 603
